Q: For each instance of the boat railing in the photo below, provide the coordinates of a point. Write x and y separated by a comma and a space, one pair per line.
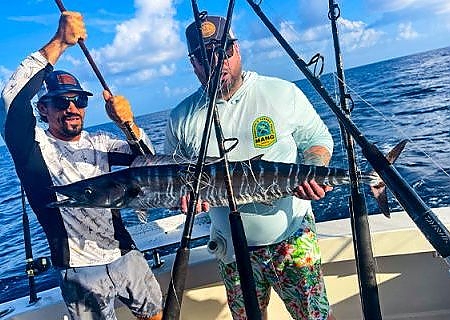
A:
162, 236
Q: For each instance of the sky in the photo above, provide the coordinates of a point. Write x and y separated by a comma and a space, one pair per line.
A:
139, 45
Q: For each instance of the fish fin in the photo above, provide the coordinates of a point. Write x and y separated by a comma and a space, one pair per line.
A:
396, 151
379, 190
258, 157
380, 193
165, 159
212, 160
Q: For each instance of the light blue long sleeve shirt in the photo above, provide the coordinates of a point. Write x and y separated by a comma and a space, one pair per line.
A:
269, 117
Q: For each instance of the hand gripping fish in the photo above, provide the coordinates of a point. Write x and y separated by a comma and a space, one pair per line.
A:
161, 183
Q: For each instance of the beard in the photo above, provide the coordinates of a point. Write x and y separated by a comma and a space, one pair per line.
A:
230, 84
71, 130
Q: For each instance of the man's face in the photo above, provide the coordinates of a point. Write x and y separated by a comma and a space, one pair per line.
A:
231, 77
65, 115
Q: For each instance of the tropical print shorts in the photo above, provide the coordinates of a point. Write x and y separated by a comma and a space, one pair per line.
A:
292, 268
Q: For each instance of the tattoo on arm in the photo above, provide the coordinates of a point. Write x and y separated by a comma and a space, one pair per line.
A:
317, 156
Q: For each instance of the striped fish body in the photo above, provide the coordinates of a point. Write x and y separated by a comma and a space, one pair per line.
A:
162, 185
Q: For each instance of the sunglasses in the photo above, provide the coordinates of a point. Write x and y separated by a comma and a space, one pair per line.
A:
211, 49
63, 102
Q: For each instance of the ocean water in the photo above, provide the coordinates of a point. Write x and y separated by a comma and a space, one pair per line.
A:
402, 98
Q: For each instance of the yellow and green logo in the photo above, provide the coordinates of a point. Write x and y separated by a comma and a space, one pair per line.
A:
263, 131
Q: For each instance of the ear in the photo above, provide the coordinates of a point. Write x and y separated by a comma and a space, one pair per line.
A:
237, 49
42, 108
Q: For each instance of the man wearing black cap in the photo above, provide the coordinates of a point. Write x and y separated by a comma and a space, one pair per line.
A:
272, 117
94, 253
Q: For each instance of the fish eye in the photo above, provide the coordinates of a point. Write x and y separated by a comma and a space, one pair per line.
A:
88, 193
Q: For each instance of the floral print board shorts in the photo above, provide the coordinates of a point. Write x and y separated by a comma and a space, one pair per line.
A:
292, 268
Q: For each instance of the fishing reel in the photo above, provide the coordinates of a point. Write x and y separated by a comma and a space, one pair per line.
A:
38, 266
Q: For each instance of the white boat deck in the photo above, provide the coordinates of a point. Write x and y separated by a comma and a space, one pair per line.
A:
413, 283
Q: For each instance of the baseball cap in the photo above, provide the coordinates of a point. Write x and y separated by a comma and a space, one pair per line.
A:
59, 82
212, 31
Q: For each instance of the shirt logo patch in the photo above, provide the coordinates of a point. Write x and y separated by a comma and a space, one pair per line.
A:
263, 131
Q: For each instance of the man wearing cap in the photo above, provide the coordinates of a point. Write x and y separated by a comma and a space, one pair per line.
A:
273, 118
94, 253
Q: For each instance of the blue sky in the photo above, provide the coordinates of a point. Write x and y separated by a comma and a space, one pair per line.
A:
140, 48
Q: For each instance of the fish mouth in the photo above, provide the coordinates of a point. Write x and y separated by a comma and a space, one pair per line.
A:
69, 202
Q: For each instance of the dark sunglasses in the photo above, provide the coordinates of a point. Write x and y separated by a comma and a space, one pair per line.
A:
63, 102
210, 49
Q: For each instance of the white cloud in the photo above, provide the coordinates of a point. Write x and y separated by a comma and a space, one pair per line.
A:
176, 91
428, 7
72, 60
145, 45
40, 19
148, 73
390, 5
354, 34
406, 31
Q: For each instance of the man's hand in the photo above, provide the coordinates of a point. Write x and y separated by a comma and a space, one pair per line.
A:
119, 110
310, 190
70, 29
202, 206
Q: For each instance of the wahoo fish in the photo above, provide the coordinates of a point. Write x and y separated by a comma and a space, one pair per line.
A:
161, 185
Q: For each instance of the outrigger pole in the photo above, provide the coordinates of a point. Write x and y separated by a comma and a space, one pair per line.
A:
362, 245
140, 146
424, 218
179, 270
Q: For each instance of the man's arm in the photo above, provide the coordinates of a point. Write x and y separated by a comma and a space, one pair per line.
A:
314, 139
317, 156
310, 190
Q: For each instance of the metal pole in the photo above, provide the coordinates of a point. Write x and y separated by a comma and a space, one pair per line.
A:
362, 245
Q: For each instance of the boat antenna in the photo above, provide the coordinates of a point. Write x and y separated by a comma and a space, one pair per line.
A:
140, 146
428, 223
362, 245
179, 270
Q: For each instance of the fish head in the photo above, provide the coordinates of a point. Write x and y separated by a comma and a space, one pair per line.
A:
91, 194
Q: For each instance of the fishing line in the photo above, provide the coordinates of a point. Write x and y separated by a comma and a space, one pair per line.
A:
396, 127
290, 26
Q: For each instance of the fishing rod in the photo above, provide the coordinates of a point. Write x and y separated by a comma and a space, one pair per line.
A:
33, 266
126, 128
362, 245
28, 250
198, 18
174, 298
179, 270
424, 218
